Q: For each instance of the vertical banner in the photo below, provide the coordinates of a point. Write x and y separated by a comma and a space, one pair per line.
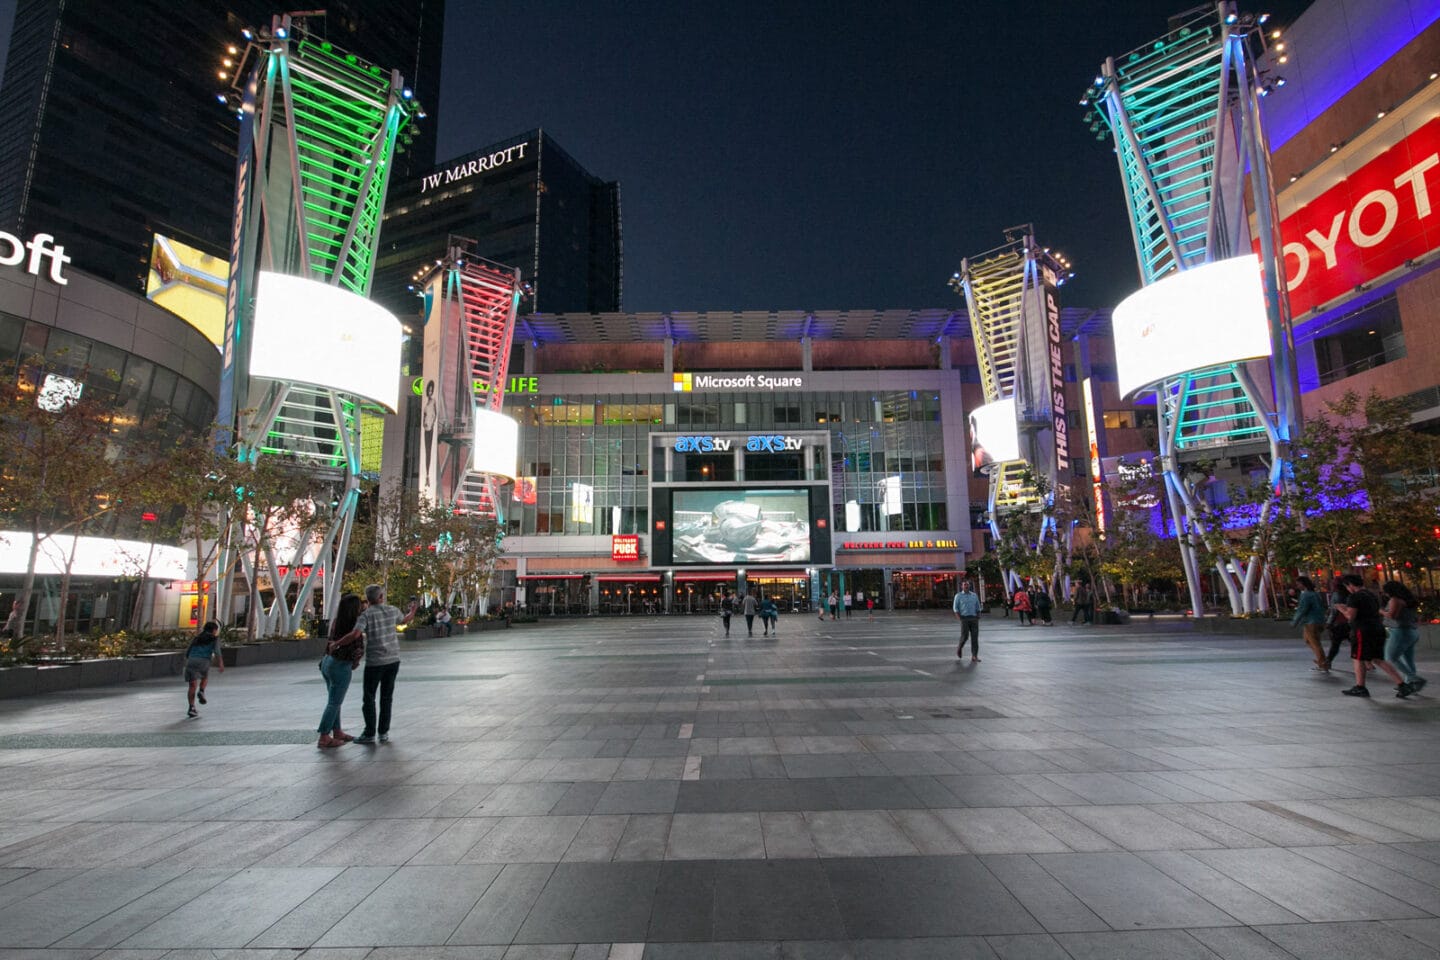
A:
1056, 366
1097, 476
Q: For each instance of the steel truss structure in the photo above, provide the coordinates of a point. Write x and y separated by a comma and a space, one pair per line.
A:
319, 128
471, 306
1184, 117
1010, 297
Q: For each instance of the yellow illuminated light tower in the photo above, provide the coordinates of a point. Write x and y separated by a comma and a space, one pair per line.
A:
1011, 295
305, 351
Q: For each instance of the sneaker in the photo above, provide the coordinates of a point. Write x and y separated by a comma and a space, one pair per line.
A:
365, 738
200, 695
974, 659
384, 738
192, 713
1403, 690
1357, 691
1417, 684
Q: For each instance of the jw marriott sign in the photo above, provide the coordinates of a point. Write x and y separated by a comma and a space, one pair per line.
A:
468, 168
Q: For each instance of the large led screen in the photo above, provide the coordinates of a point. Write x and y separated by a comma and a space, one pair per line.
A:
1201, 317
191, 283
740, 526
497, 444
994, 436
310, 332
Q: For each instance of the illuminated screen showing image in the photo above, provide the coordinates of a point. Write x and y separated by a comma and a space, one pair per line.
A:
993, 434
741, 526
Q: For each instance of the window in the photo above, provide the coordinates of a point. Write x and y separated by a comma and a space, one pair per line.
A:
1367, 338
1119, 419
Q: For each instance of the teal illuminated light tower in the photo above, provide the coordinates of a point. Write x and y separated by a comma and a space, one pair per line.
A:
304, 349
1184, 116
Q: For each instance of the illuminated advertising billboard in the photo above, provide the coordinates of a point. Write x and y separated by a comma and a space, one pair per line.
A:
731, 525
497, 444
994, 436
312, 333
190, 283
1375, 215
1198, 318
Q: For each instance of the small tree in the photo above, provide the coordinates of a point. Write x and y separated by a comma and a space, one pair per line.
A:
67, 461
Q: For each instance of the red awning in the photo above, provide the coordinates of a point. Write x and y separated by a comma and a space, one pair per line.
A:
629, 578
550, 576
717, 577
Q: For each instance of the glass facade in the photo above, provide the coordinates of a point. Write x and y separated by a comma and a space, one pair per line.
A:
147, 395
886, 456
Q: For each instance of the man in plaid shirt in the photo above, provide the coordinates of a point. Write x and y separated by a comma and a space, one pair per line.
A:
377, 624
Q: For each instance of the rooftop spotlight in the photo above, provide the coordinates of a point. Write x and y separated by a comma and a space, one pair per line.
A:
1264, 19
407, 93
221, 97
280, 33
247, 34
1279, 81
1231, 17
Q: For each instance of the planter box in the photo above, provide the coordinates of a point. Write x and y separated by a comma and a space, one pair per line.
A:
163, 663
100, 673
18, 681
57, 677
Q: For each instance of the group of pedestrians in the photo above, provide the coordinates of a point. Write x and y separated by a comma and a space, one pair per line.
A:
368, 632
750, 606
1382, 630
1033, 605
847, 602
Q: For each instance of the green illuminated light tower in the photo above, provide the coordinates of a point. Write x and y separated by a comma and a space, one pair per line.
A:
319, 129
1184, 116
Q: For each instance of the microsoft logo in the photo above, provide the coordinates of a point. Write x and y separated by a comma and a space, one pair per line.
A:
682, 383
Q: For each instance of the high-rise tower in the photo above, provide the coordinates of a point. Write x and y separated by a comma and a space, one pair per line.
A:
113, 128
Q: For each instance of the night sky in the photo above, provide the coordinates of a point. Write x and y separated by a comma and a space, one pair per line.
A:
832, 155
815, 156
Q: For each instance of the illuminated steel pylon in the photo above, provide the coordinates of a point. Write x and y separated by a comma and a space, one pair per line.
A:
470, 307
1010, 295
318, 133
1184, 116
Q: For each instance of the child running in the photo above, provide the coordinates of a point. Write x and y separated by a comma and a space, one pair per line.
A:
203, 649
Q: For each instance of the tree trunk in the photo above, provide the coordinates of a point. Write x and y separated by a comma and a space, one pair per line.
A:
65, 593
27, 589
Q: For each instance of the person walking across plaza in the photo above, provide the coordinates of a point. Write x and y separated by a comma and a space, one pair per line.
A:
1402, 631
1362, 609
748, 607
1022, 607
727, 610
1336, 623
1084, 604
769, 615
966, 606
1043, 605
204, 648
378, 625
342, 656
849, 602
834, 605
1310, 617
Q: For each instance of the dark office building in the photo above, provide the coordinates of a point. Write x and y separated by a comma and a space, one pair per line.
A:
112, 130
527, 204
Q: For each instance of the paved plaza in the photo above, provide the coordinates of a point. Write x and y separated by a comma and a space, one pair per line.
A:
646, 788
